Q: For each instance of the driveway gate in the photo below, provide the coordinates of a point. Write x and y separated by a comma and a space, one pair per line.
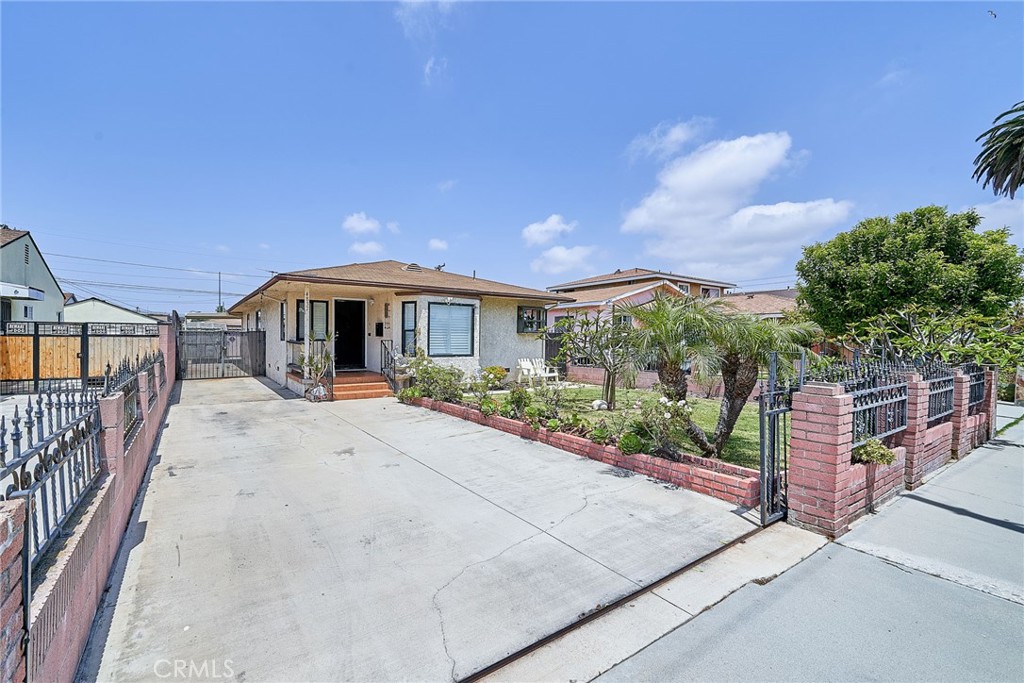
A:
212, 354
775, 405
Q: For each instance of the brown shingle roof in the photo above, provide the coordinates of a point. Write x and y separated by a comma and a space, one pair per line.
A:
760, 303
636, 273
408, 277
599, 295
8, 235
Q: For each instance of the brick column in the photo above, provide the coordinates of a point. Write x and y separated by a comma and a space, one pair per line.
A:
12, 598
960, 418
112, 437
991, 402
819, 454
913, 438
169, 347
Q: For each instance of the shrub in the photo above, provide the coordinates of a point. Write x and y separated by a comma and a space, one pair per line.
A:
488, 406
576, 424
508, 410
409, 394
533, 415
551, 397
600, 433
630, 443
495, 375
439, 382
518, 399
554, 425
874, 451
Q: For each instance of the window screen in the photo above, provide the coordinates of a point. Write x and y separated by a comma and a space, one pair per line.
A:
450, 330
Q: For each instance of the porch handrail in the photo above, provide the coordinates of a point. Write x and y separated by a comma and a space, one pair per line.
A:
387, 362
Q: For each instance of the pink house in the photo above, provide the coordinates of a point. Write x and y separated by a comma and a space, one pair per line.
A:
606, 293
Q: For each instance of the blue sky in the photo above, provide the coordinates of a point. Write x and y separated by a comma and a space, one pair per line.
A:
533, 142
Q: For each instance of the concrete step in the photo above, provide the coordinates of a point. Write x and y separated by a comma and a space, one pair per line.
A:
360, 386
345, 393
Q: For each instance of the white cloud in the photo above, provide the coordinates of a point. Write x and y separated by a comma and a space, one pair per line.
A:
1004, 212
893, 77
665, 139
264, 246
360, 224
434, 69
700, 219
548, 230
437, 245
421, 20
446, 185
223, 248
392, 227
366, 248
561, 259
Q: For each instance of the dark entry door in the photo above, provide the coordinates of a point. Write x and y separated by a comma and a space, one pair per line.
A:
349, 334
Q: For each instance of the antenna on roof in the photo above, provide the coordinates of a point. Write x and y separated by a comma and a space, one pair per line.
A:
440, 267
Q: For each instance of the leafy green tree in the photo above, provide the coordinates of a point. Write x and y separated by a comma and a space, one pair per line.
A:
925, 257
1001, 161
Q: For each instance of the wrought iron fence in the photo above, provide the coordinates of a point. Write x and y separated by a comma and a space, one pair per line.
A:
130, 389
976, 395
879, 406
125, 378
50, 457
162, 365
151, 390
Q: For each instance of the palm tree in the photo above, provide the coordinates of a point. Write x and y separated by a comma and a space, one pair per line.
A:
742, 347
1001, 161
675, 332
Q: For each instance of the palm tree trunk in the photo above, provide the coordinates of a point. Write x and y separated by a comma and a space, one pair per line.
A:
739, 376
673, 381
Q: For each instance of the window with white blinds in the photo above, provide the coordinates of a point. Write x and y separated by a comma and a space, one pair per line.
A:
450, 329
319, 319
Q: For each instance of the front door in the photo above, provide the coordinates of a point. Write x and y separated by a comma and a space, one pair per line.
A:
349, 335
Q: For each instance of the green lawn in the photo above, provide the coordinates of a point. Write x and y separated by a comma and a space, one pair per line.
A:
744, 444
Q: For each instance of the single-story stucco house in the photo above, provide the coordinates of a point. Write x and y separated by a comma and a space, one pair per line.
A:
95, 310
371, 308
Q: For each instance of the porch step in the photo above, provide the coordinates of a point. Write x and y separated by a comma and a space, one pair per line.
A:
346, 392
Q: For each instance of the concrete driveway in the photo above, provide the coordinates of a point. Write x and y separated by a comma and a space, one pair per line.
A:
368, 540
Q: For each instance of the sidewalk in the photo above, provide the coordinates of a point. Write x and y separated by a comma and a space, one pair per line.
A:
931, 588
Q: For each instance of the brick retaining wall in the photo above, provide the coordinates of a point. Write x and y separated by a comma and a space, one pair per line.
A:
722, 480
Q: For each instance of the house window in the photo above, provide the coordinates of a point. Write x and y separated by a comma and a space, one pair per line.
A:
300, 320
710, 292
684, 287
5, 311
318, 320
450, 329
622, 320
408, 328
284, 320
259, 320
28, 313
530, 319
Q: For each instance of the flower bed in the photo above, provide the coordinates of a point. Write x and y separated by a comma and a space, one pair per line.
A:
722, 480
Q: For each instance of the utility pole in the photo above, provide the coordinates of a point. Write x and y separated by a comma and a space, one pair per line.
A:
220, 299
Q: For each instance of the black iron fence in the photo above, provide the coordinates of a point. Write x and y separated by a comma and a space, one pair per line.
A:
125, 378
50, 457
880, 394
976, 395
37, 356
215, 354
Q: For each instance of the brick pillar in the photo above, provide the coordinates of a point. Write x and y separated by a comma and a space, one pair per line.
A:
112, 437
12, 598
960, 417
819, 457
991, 403
169, 346
913, 438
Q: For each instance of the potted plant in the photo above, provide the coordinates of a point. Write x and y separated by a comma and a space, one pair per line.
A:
318, 370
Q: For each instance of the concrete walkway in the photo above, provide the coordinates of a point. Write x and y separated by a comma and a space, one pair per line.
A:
368, 540
929, 589
1007, 413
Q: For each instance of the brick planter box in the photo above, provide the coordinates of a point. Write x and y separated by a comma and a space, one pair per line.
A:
722, 480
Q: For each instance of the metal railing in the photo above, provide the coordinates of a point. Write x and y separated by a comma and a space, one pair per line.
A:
879, 406
976, 394
387, 362
151, 389
162, 365
50, 457
125, 378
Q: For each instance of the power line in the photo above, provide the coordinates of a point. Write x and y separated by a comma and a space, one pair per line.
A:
147, 288
149, 265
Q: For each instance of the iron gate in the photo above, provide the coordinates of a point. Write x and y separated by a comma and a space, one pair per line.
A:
775, 404
212, 354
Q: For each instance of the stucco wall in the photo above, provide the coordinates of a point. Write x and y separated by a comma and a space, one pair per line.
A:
14, 270
500, 344
93, 311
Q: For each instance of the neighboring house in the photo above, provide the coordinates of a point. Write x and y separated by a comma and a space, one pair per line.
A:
28, 289
390, 307
623, 288
219, 320
604, 294
773, 304
94, 310
70, 298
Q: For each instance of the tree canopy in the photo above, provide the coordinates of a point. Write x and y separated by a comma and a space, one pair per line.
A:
1001, 160
926, 257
